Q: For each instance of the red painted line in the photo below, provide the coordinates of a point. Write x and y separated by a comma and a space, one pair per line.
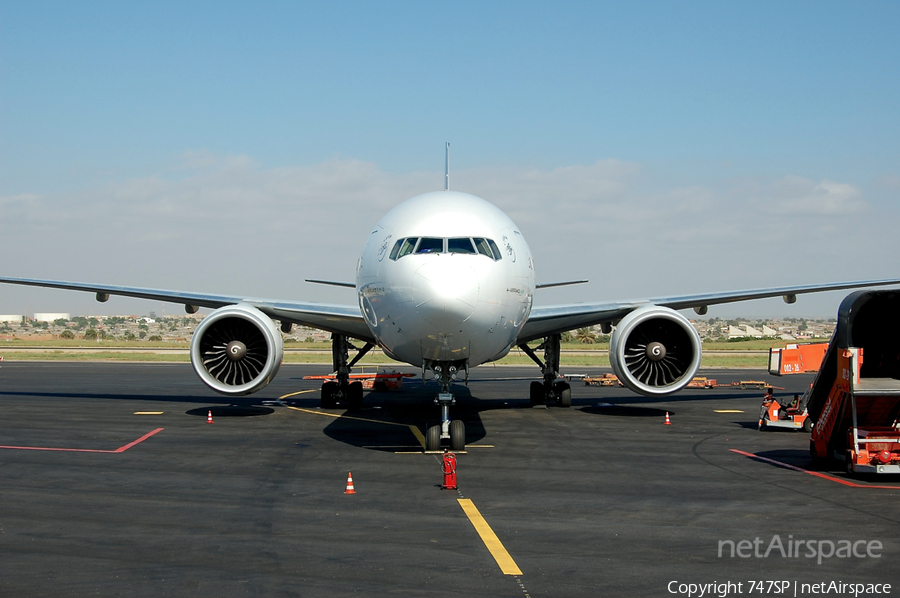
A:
124, 448
814, 473
121, 449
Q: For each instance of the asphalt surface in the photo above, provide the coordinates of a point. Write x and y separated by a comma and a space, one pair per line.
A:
601, 499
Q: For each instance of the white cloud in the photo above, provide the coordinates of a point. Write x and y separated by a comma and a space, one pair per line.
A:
796, 195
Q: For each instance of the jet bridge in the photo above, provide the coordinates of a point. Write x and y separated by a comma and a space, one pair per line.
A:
855, 398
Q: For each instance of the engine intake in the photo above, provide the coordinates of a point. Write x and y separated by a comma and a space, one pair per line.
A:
237, 350
655, 351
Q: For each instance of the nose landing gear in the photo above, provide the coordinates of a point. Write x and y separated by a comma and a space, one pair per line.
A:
452, 430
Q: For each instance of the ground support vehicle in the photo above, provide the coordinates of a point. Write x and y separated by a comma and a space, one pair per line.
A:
855, 398
745, 384
702, 382
796, 358
370, 378
785, 413
602, 380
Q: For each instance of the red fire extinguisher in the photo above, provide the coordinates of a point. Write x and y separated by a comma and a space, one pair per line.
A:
448, 468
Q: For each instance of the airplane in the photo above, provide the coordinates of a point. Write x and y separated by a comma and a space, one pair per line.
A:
445, 283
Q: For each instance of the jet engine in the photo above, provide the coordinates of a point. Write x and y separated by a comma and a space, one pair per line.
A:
236, 350
655, 351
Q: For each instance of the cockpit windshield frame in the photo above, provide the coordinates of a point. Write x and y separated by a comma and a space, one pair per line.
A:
452, 245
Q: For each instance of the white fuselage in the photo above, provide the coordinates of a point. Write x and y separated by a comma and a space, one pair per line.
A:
445, 276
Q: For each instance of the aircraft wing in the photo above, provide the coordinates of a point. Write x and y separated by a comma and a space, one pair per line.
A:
342, 319
556, 319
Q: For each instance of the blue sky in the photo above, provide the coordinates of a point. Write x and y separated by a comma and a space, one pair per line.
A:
693, 146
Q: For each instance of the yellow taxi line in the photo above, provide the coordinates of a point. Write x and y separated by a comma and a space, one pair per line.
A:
299, 392
491, 541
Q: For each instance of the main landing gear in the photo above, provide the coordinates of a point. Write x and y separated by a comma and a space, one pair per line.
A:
452, 430
553, 389
343, 391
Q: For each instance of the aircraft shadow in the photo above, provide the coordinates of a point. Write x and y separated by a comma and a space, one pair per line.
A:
625, 410
385, 421
231, 411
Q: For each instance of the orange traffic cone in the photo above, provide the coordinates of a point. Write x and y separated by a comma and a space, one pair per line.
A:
209, 417
349, 489
668, 421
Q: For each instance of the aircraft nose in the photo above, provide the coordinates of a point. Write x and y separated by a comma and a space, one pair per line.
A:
445, 292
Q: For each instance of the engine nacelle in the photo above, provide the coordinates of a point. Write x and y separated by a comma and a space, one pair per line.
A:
655, 351
237, 350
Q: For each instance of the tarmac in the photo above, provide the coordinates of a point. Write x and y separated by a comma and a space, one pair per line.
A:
114, 484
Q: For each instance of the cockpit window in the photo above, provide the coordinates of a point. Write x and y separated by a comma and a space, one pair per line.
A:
430, 245
396, 250
483, 248
461, 245
495, 250
404, 247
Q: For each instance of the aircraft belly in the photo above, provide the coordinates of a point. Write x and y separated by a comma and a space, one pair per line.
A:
488, 331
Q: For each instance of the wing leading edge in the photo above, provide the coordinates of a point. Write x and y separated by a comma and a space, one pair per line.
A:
555, 319
341, 319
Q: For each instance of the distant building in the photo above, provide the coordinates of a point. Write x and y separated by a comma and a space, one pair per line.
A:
12, 319
50, 317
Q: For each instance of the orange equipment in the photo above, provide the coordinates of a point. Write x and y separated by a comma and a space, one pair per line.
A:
797, 358
448, 468
371, 379
602, 380
702, 382
775, 413
668, 421
349, 489
860, 416
209, 417
745, 384
855, 402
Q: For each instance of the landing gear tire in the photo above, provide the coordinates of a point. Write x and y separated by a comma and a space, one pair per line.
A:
355, 395
536, 394
433, 438
563, 394
328, 391
457, 435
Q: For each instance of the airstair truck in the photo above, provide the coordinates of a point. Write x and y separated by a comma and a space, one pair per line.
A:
855, 398
797, 358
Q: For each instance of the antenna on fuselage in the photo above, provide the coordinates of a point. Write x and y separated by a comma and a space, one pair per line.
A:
447, 167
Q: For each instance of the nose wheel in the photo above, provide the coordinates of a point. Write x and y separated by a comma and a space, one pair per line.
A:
453, 431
